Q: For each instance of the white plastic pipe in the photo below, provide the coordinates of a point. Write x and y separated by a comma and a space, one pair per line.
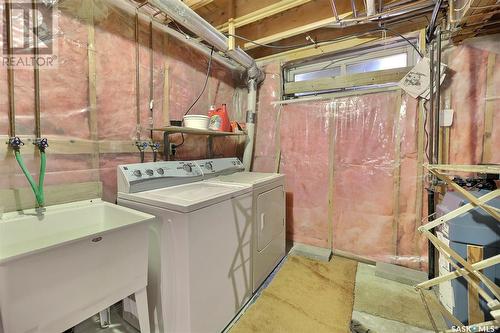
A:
251, 119
371, 8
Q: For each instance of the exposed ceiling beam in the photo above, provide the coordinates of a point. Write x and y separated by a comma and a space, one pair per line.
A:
294, 31
474, 16
315, 15
263, 13
294, 21
312, 51
195, 4
316, 25
365, 34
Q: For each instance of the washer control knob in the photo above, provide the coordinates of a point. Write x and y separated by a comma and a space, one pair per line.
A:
188, 168
209, 166
160, 171
149, 172
137, 173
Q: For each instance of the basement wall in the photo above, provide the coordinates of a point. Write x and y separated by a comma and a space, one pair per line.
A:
353, 164
88, 141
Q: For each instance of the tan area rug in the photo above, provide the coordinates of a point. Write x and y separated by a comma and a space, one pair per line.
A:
305, 296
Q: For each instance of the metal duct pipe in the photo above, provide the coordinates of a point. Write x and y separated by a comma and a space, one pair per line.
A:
431, 209
386, 14
132, 10
437, 110
185, 16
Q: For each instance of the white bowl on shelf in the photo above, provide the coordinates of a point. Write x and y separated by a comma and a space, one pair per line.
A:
196, 121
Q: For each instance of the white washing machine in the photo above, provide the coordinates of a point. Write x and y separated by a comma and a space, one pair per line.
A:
268, 241
200, 244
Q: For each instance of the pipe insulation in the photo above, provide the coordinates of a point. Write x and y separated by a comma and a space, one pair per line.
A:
202, 48
185, 16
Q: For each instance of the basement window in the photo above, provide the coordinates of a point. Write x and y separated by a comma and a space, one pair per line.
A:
360, 69
378, 64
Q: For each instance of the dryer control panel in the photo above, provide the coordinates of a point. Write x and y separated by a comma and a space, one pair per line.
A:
220, 166
140, 177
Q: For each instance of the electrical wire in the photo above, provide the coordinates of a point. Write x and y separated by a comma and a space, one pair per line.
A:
209, 68
432, 25
328, 41
406, 39
426, 133
206, 82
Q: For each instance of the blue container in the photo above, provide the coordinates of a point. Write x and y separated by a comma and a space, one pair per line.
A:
476, 227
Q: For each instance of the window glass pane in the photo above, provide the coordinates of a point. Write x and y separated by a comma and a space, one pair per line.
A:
378, 64
330, 72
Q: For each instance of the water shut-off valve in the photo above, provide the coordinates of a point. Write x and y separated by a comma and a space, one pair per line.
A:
155, 146
142, 145
15, 143
41, 143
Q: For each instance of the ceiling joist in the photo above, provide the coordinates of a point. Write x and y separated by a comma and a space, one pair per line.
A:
263, 13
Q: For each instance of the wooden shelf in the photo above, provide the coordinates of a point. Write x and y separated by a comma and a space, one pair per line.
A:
195, 131
483, 168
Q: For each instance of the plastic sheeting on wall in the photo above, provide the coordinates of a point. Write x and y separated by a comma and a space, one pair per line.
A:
351, 162
350, 166
375, 178
65, 106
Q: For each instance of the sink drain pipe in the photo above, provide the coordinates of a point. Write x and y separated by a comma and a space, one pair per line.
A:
185, 16
250, 127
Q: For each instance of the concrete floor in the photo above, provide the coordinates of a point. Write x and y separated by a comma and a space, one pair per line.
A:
380, 325
118, 325
384, 305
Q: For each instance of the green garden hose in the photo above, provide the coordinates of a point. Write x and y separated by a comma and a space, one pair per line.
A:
41, 178
37, 190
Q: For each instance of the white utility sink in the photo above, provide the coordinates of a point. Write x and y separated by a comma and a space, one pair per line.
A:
65, 264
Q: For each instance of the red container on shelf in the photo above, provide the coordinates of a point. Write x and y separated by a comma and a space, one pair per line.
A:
219, 119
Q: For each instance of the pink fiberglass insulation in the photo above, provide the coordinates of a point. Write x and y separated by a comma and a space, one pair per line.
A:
364, 164
65, 106
468, 64
267, 128
304, 161
374, 213
115, 62
409, 240
4, 102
